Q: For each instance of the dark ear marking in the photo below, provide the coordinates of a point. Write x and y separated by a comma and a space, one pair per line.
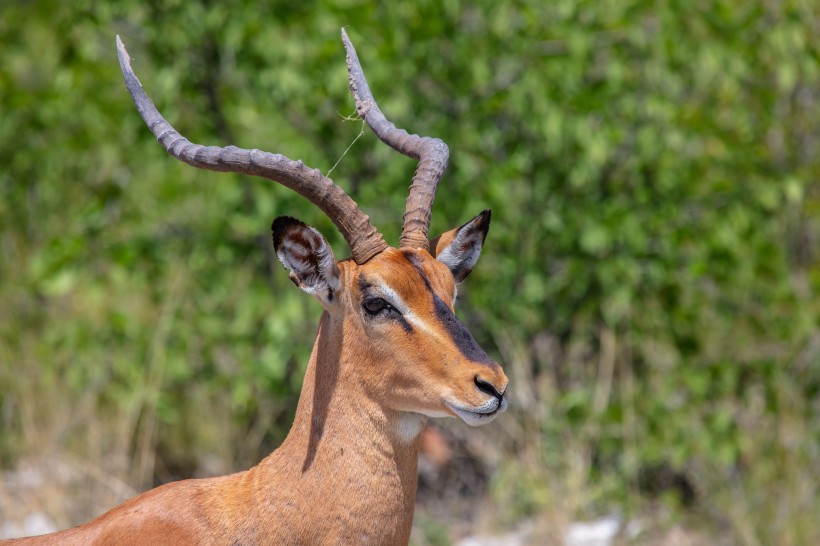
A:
307, 256
481, 222
460, 248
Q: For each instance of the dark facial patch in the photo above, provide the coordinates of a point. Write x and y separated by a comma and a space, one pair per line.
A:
404, 324
461, 336
416, 263
364, 286
411, 257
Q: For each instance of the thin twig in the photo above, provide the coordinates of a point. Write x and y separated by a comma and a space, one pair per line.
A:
327, 174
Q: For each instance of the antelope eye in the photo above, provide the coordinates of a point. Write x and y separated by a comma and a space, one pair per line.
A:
374, 306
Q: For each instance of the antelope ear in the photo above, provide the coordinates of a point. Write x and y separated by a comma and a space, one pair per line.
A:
460, 248
308, 258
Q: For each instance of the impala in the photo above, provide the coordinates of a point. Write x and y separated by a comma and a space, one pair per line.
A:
389, 353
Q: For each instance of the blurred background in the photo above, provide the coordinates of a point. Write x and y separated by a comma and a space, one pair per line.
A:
650, 279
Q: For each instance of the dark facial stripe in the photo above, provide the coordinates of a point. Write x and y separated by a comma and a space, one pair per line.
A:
461, 336
416, 263
364, 286
404, 324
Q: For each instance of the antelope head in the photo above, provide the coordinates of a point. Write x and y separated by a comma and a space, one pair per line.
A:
391, 309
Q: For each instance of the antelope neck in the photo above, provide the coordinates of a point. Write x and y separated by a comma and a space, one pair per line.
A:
335, 410
343, 434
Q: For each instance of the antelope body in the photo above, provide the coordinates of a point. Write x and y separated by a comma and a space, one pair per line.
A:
389, 354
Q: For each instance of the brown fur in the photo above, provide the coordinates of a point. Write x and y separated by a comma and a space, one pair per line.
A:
346, 473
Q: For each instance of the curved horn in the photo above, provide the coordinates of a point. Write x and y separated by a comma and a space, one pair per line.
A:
432, 154
364, 240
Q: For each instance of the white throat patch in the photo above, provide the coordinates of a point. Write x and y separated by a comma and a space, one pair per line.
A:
409, 427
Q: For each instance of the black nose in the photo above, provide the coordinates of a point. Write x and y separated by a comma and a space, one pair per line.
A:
487, 388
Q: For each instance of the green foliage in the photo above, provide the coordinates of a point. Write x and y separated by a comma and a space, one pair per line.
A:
650, 279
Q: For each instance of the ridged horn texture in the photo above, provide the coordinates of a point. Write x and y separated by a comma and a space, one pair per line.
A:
432, 154
364, 240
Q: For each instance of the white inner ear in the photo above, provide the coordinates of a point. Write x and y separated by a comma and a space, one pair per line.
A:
312, 262
463, 252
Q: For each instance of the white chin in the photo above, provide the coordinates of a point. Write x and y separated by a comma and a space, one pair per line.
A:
476, 418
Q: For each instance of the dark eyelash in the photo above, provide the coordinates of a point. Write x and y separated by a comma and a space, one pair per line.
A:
375, 306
